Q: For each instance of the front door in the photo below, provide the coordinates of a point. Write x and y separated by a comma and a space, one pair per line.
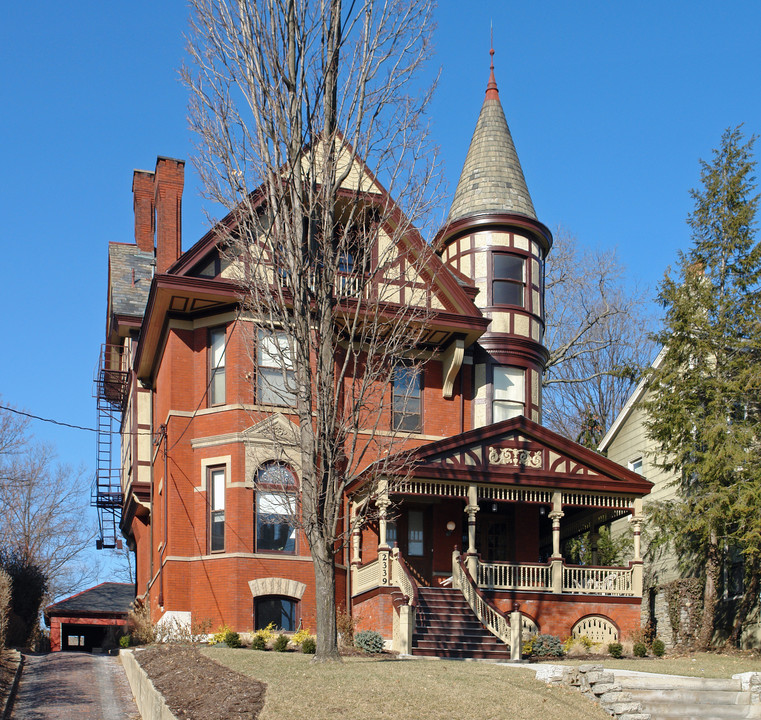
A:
413, 529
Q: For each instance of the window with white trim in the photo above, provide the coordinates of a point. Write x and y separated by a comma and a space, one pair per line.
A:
275, 509
275, 380
636, 466
509, 388
217, 339
407, 400
216, 496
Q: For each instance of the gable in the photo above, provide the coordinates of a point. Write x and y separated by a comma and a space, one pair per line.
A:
519, 452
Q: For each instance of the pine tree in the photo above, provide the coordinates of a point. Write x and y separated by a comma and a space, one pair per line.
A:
703, 405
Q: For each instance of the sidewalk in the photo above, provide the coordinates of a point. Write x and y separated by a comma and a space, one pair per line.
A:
73, 686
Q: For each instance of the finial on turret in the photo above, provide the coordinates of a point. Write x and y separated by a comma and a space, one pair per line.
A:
491, 89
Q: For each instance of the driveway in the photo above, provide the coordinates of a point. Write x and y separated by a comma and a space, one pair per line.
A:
73, 686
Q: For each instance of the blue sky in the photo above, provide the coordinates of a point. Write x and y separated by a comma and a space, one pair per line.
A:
610, 105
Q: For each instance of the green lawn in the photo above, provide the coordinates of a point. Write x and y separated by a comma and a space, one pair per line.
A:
367, 689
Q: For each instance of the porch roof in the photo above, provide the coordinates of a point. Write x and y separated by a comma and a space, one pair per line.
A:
516, 452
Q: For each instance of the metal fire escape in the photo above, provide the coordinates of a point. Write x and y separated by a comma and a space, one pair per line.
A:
106, 494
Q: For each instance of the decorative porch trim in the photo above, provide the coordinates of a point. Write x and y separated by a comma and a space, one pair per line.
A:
514, 494
592, 499
410, 486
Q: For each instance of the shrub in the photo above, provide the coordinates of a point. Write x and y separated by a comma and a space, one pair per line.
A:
309, 646
142, 630
659, 647
5, 604
300, 635
586, 641
228, 636
346, 625
615, 649
370, 641
258, 642
640, 649
124, 641
281, 643
543, 646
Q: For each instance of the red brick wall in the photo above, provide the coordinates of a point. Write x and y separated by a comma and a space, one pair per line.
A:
56, 622
557, 614
374, 611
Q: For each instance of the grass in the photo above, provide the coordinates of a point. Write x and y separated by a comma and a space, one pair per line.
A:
360, 688
710, 665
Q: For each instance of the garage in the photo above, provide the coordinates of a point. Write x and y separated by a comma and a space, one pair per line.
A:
92, 620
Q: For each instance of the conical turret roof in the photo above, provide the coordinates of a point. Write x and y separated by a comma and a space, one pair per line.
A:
492, 178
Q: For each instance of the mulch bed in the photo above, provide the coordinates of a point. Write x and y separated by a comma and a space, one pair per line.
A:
197, 688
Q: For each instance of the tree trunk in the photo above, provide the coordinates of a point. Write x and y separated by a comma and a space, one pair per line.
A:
325, 601
705, 637
749, 599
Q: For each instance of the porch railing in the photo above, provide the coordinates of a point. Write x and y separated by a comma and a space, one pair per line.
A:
485, 611
598, 580
366, 577
512, 576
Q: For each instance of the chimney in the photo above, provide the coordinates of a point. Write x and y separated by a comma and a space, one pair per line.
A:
142, 193
167, 199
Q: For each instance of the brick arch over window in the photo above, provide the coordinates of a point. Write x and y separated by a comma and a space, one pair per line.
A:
277, 586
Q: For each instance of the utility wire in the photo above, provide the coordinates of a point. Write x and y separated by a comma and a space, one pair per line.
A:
47, 420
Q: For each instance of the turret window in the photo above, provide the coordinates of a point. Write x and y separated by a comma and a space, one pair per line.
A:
508, 279
509, 393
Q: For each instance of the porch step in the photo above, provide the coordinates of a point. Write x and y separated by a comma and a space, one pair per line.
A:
667, 697
445, 626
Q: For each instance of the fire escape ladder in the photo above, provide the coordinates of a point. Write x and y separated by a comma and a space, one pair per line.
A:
106, 494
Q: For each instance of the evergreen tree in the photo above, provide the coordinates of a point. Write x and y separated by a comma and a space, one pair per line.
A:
703, 404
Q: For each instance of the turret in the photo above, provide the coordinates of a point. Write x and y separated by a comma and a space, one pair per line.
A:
494, 240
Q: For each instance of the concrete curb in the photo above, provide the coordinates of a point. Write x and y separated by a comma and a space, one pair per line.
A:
14, 686
150, 702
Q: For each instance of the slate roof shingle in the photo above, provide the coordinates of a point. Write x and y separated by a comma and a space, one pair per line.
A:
128, 298
492, 179
108, 597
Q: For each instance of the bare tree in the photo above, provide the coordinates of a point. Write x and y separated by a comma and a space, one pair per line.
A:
41, 507
286, 99
597, 335
13, 432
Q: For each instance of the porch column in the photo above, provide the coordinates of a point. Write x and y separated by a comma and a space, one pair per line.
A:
355, 536
472, 508
637, 519
382, 503
594, 539
637, 569
556, 561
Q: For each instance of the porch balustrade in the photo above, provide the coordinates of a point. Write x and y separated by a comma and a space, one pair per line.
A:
511, 576
598, 581
529, 577
366, 577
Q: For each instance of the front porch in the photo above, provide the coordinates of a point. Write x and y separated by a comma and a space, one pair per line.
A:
516, 499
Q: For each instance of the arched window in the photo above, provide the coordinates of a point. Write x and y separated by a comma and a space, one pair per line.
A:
275, 509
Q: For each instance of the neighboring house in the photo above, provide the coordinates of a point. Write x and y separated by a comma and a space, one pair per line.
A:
200, 491
92, 619
627, 443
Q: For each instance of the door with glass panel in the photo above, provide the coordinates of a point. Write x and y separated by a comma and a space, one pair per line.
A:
413, 535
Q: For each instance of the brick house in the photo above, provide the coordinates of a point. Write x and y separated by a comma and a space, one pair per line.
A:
198, 489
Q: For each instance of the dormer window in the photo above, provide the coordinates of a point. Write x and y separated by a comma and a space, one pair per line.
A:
508, 279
